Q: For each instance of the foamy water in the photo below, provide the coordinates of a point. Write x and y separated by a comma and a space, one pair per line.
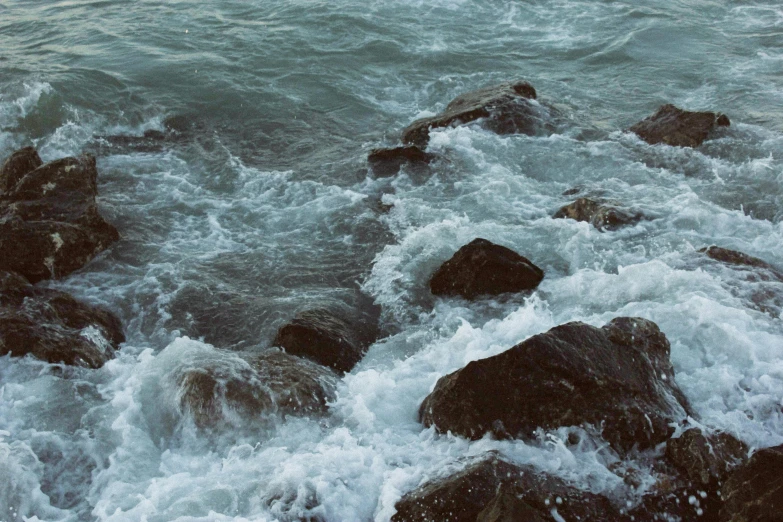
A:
263, 205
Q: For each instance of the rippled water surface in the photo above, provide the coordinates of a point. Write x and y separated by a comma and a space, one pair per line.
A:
261, 204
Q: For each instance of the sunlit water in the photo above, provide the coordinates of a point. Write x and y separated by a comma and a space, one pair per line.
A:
263, 205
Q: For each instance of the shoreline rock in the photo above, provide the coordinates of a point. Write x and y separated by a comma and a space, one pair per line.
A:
676, 127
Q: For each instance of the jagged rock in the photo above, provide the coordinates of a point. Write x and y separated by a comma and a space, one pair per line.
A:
53, 326
754, 491
49, 220
492, 489
618, 377
328, 338
601, 215
484, 268
387, 162
677, 127
507, 108
17, 165
250, 387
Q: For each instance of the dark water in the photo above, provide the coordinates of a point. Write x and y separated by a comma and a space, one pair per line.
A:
258, 202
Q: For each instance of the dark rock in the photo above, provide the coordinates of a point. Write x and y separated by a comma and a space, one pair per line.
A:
492, 489
53, 326
733, 257
327, 338
754, 491
705, 459
270, 384
506, 109
387, 162
601, 215
17, 165
618, 377
677, 127
49, 220
484, 268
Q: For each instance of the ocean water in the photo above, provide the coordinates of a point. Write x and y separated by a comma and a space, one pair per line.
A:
262, 204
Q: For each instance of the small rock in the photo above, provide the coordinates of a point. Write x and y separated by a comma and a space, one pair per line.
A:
754, 491
617, 377
677, 127
602, 216
491, 489
387, 162
53, 326
49, 220
327, 338
484, 268
733, 257
506, 109
237, 388
17, 165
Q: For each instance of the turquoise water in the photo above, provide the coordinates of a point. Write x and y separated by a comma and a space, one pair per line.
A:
262, 204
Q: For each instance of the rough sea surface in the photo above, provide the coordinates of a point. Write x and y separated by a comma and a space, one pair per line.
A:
261, 204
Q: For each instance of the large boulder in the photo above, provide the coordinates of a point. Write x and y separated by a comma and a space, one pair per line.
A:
677, 127
238, 388
493, 490
508, 108
17, 165
328, 338
484, 268
601, 215
754, 492
53, 326
49, 220
617, 378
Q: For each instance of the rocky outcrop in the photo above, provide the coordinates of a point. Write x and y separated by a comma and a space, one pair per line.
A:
328, 338
754, 492
508, 108
17, 165
53, 326
602, 216
387, 162
617, 379
677, 127
484, 268
49, 220
235, 389
493, 490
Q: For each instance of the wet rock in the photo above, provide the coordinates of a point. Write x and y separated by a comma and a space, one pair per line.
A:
49, 220
617, 377
733, 257
754, 491
236, 388
53, 326
508, 108
484, 268
17, 165
705, 459
328, 338
677, 127
387, 162
601, 215
492, 489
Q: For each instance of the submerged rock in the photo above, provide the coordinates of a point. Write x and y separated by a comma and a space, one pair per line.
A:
618, 378
49, 220
53, 326
677, 127
328, 338
17, 165
484, 268
237, 388
492, 489
601, 215
507, 108
733, 257
754, 492
387, 162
